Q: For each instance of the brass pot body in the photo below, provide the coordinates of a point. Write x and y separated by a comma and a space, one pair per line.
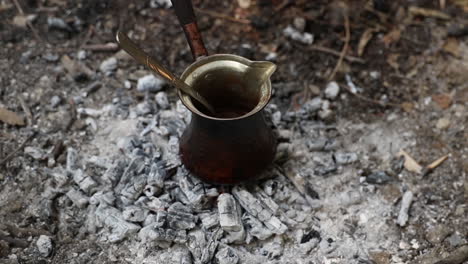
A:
236, 144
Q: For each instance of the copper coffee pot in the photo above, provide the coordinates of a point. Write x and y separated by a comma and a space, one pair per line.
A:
233, 143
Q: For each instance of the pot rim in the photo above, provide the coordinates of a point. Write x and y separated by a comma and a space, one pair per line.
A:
235, 59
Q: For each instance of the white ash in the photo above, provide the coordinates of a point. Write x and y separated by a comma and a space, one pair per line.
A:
307, 209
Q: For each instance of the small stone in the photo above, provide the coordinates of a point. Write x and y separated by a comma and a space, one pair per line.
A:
160, 3
455, 239
44, 245
443, 123
149, 83
271, 56
127, 84
58, 23
332, 90
227, 256
378, 177
50, 57
161, 100
438, 233
55, 101
108, 65
305, 38
299, 23
81, 55
345, 158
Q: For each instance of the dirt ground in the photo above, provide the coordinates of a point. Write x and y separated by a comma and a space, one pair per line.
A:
403, 83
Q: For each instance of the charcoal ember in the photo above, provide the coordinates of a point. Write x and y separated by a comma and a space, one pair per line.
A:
378, 177
184, 257
72, 160
85, 182
322, 144
235, 237
180, 217
259, 210
345, 158
266, 200
100, 162
154, 204
161, 100
150, 219
203, 247
154, 232
59, 176
198, 196
80, 200
209, 219
135, 167
226, 255
159, 173
255, 228
270, 187
102, 197
113, 174
151, 191
229, 213
178, 195
144, 108
135, 214
134, 188
112, 218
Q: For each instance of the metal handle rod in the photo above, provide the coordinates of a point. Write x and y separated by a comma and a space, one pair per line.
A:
138, 54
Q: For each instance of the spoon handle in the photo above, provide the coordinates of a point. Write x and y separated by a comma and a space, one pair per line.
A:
138, 54
188, 21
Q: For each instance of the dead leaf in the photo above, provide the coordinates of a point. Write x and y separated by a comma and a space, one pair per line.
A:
392, 60
437, 162
419, 11
20, 21
365, 38
10, 117
410, 164
444, 101
391, 37
462, 3
407, 106
452, 46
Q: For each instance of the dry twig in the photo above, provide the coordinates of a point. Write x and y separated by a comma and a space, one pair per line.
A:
12, 154
345, 47
20, 10
26, 110
369, 100
336, 53
223, 16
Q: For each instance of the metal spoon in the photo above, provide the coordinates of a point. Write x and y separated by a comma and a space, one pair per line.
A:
138, 54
